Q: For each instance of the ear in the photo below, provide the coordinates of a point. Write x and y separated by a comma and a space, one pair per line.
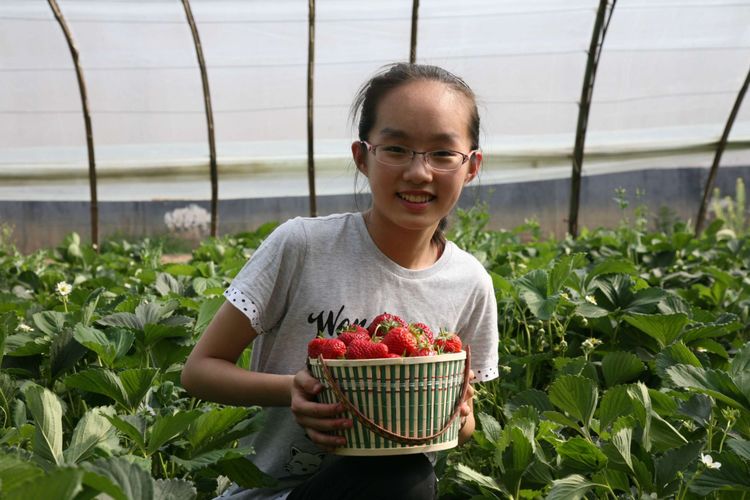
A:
475, 163
359, 154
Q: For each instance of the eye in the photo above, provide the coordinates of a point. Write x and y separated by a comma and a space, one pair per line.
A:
395, 150
444, 154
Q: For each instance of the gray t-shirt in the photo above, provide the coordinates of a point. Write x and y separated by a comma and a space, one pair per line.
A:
314, 275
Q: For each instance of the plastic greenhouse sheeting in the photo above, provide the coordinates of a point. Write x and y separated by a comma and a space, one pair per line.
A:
668, 77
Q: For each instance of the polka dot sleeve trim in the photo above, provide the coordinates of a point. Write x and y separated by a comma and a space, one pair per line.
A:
485, 374
246, 306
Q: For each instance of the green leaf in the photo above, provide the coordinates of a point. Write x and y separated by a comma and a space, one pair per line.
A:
110, 346
88, 309
92, 430
208, 310
245, 473
61, 483
556, 416
734, 475
725, 324
174, 489
469, 475
522, 449
563, 269
181, 270
620, 367
739, 370
613, 266
166, 284
575, 395
530, 397
741, 447
672, 462
49, 322
133, 481
46, 411
136, 382
220, 426
491, 428
64, 353
665, 328
167, 427
573, 487
533, 288
698, 408
588, 310
622, 440
715, 383
100, 381
155, 333
211, 457
581, 455
14, 470
123, 319
711, 346
103, 484
132, 426
639, 392
616, 402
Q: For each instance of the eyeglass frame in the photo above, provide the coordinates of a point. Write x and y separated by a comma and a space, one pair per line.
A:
464, 157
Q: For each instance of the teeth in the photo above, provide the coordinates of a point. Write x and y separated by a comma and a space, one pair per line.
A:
416, 198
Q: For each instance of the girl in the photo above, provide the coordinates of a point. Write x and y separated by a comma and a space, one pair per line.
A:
418, 146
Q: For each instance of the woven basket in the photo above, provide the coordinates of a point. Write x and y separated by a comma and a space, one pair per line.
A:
398, 406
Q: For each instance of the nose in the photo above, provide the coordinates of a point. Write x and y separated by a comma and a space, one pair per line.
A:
418, 171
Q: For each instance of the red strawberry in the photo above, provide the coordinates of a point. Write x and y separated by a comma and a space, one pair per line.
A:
315, 346
447, 342
366, 349
420, 330
392, 355
333, 349
358, 349
425, 351
354, 331
383, 323
400, 341
378, 350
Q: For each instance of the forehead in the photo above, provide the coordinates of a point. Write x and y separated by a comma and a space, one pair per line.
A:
424, 109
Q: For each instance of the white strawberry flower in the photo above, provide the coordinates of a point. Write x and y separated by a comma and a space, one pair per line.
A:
23, 327
708, 461
591, 299
63, 288
590, 343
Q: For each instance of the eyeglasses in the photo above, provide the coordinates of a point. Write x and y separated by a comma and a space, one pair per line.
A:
441, 160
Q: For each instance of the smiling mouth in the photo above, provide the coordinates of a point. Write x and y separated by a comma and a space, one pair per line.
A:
416, 198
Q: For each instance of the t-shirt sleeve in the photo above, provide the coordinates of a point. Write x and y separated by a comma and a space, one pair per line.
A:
264, 287
480, 332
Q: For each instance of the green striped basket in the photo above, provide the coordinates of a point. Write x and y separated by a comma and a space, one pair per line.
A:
399, 405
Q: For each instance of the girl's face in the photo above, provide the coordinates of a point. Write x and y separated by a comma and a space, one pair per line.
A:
422, 115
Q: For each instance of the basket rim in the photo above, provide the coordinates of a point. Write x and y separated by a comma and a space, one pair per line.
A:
416, 360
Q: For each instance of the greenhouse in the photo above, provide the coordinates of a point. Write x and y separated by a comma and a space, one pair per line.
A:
160, 159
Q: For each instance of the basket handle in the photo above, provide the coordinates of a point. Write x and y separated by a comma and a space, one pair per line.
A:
382, 431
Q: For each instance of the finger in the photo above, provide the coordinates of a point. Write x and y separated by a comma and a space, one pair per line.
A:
305, 382
327, 442
324, 424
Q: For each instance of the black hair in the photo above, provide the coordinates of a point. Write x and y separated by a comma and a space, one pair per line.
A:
364, 108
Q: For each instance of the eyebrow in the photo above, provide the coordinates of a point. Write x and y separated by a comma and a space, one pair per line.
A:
400, 134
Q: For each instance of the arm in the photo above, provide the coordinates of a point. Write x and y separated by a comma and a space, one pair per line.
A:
211, 373
467, 415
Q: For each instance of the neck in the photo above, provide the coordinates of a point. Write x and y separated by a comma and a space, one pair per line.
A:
409, 249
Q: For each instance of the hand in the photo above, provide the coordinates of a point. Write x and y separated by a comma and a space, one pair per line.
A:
467, 405
318, 419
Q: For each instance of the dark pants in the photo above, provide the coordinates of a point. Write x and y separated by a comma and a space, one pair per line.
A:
388, 478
